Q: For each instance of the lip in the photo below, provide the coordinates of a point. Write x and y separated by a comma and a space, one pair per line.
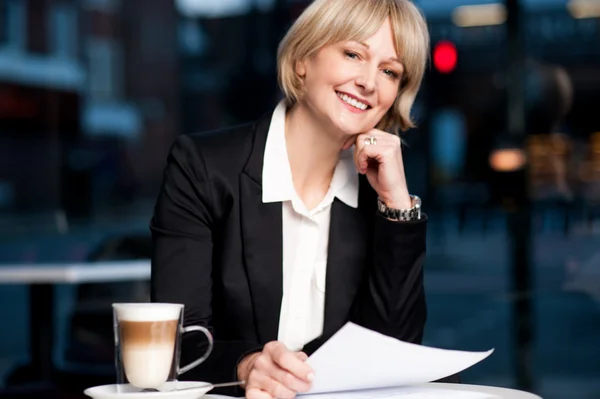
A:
349, 107
362, 100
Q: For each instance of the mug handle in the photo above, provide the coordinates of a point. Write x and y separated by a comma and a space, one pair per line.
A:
197, 362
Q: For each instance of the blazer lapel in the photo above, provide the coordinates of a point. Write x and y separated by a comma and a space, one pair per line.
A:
346, 263
262, 241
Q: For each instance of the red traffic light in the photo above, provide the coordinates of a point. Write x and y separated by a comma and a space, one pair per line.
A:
445, 56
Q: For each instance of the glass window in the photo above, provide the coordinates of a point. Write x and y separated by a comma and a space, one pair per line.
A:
12, 24
104, 69
62, 29
105, 5
3, 23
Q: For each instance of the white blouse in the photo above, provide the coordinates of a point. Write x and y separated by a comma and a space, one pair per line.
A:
305, 235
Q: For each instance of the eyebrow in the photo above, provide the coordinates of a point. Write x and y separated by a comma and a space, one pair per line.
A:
393, 59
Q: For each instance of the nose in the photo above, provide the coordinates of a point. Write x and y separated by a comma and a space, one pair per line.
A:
367, 79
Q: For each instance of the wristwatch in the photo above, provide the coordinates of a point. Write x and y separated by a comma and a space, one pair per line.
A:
404, 215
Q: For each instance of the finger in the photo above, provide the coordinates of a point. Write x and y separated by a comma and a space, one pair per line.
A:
256, 393
268, 367
358, 160
382, 139
366, 155
289, 380
358, 149
349, 142
302, 356
286, 359
363, 144
279, 391
273, 387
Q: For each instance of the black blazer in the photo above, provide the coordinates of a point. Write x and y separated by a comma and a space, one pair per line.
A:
218, 250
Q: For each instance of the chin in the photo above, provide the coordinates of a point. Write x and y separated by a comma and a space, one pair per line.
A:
348, 130
356, 124
351, 129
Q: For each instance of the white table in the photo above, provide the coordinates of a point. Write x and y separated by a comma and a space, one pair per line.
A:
41, 279
498, 393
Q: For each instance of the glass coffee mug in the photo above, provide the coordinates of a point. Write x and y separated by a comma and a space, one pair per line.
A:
148, 344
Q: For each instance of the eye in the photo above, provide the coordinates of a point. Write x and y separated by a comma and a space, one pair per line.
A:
390, 73
351, 55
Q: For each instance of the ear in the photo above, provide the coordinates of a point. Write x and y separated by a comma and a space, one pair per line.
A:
300, 68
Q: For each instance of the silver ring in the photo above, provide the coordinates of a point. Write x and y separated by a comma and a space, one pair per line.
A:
371, 140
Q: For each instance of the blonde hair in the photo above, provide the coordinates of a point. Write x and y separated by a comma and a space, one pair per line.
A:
327, 22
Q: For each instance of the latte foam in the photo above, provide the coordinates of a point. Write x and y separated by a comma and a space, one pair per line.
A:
147, 311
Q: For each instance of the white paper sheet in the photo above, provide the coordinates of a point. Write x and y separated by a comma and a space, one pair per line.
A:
356, 358
404, 393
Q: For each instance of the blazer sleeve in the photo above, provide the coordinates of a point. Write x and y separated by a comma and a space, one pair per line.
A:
392, 298
182, 237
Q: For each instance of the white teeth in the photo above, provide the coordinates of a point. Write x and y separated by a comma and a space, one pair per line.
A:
355, 103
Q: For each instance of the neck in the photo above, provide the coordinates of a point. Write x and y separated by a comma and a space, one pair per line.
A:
313, 154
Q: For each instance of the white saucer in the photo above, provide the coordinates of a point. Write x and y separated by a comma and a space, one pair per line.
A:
172, 390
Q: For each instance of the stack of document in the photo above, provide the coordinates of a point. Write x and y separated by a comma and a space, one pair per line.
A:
360, 363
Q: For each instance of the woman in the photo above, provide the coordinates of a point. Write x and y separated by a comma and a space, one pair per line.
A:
275, 234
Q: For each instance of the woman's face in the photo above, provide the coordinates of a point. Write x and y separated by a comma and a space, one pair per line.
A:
351, 85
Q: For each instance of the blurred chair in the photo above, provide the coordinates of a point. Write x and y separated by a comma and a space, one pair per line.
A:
88, 358
591, 180
550, 178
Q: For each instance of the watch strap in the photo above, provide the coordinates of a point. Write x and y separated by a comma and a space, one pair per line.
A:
413, 213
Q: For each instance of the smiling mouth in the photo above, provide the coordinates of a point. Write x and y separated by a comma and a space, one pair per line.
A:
353, 102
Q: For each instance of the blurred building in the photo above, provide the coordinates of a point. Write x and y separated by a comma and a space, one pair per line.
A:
228, 54
132, 102
562, 45
152, 82
41, 82
88, 101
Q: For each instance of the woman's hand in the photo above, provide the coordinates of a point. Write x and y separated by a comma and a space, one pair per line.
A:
276, 372
378, 155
